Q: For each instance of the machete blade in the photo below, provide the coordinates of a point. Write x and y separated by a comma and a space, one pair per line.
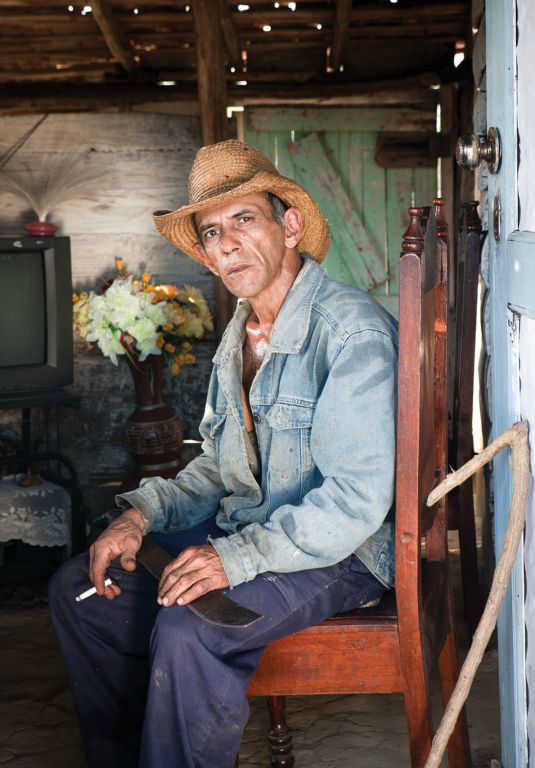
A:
214, 607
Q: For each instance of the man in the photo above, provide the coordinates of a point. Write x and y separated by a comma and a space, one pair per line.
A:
288, 504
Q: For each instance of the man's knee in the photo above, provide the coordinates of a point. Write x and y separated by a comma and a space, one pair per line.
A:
180, 633
68, 580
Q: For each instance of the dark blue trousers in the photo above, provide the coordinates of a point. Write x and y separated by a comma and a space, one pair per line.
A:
162, 688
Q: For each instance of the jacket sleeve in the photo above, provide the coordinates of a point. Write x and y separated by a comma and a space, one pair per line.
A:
192, 496
353, 446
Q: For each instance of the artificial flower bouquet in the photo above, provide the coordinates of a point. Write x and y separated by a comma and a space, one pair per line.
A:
132, 316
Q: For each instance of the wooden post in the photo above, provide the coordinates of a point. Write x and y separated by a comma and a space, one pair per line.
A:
212, 91
211, 80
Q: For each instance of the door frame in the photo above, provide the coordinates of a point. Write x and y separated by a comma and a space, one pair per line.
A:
511, 273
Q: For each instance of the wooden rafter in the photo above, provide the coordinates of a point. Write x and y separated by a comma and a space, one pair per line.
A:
45, 41
112, 35
230, 35
342, 20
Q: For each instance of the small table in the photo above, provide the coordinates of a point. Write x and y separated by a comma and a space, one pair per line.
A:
28, 456
36, 514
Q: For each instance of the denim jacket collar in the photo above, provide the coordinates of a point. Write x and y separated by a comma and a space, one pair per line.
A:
292, 323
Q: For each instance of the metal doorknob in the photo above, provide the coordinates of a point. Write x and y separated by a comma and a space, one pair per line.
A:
471, 149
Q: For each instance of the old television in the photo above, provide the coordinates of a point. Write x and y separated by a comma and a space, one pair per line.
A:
36, 337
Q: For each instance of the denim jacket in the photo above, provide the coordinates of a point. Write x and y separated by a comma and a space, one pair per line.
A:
323, 403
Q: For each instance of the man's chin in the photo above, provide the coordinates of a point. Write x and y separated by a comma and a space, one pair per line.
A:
240, 287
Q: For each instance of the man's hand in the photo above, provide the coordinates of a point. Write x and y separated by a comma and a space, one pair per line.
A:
122, 539
195, 571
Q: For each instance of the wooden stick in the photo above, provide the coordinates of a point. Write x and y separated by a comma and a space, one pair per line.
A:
516, 438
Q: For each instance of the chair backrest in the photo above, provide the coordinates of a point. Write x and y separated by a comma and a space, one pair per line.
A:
469, 253
422, 402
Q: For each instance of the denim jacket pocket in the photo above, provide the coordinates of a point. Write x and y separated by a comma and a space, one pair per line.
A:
290, 439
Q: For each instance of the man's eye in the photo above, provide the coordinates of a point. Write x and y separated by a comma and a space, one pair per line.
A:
246, 217
210, 233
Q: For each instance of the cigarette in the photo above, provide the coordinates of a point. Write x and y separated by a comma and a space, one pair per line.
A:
92, 591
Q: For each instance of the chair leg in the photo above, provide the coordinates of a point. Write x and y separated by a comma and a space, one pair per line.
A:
448, 667
417, 706
280, 737
468, 548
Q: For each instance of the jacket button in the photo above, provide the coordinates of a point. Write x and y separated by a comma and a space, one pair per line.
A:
257, 418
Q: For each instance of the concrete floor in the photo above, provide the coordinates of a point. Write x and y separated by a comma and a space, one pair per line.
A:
38, 728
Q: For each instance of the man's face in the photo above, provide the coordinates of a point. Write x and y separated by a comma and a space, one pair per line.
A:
242, 243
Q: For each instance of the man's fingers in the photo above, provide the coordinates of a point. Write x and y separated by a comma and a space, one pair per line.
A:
178, 581
128, 561
112, 591
99, 566
195, 591
187, 558
186, 589
121, 539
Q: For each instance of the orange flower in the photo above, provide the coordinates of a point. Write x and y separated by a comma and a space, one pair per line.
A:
146, 277
167, 326
190, 359
119, 264
75, 298
175, 369
186, 346
160, 341
169, 347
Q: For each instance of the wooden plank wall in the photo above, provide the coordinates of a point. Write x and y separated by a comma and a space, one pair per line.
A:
136, 163
381, 196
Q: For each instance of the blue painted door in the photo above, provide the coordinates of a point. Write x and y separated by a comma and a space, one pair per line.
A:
512, 296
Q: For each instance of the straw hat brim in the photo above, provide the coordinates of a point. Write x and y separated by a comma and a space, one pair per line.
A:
179, 228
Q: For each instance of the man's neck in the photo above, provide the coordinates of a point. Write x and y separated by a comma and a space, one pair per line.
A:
266, 306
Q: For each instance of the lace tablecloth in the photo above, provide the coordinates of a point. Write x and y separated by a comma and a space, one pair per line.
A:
37, 514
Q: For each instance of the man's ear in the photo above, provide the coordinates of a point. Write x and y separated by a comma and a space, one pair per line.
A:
293, 227
199, 250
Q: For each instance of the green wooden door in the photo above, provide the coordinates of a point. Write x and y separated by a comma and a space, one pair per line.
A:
331, 152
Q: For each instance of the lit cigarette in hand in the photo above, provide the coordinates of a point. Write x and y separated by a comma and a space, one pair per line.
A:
92, 591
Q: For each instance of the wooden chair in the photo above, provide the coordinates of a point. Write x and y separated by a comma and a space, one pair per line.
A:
461, 449
384, 650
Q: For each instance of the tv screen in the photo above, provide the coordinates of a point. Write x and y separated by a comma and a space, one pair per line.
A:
35, 315
22, 308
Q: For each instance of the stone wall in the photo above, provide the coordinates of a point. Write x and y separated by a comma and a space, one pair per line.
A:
133, 164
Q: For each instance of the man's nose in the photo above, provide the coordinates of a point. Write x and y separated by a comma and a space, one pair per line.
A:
229, 242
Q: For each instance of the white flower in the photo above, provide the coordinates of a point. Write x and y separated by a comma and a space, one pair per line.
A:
135, 317
108, 341
145, 332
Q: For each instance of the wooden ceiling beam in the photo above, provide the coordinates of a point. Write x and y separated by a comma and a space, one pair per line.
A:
342, 20
91, 72
230, 35
273, 76
111, 32
24, 97
362, 15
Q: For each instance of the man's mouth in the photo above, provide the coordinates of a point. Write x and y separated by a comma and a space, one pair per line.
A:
235, 270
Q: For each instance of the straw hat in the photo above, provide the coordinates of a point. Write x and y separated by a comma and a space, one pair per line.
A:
231, 169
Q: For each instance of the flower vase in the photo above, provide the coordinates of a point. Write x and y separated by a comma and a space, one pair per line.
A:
41, 228
154, 432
